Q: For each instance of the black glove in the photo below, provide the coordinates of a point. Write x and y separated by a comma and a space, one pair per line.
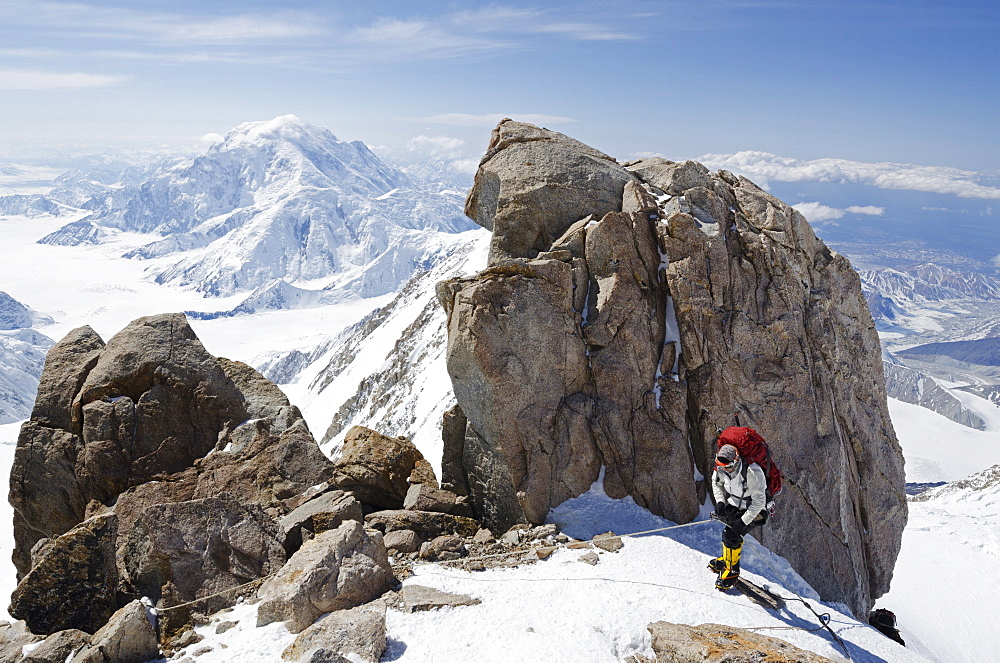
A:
720, 510
737, 525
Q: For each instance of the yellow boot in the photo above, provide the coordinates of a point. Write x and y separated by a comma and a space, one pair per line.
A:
728, 576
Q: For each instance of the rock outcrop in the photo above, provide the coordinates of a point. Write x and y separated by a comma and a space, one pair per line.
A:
625, 332
714, 643
151, 468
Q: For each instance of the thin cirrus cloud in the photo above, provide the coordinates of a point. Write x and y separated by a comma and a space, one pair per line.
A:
763, 167
23, 79
490, 120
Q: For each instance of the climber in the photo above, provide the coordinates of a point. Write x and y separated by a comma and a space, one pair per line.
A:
739, 487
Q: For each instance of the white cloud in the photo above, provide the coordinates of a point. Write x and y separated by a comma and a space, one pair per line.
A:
818, 213
870, 210
393, 39
763, 167
490, 120
212, 138
436, 146
468, 166
996, 261
583, 32
24, 79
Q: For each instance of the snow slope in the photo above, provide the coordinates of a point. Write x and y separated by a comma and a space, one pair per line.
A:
561, 609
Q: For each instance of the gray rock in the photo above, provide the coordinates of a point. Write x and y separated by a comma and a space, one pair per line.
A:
402, 540
74, 585
714, 643
327, 511
608, 542
532, 184
483, 537
591, 558
453, 436
377, 468
633, 355
337, 570
57, 647
128, 637
427, 524
178, 552
421, 497
13, 638
441, 546
359, 631
418, 598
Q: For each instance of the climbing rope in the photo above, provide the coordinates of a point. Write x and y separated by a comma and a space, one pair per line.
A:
546, 549
824, 618
160, 611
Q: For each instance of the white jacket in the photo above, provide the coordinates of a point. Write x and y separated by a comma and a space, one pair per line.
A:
731, 489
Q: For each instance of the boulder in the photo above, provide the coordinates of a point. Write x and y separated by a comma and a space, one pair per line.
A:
337, 570
14, 637
128, 637
427, 524
608, 542
533, 183
178, 552
418, 598
377, 468
327, 511
74, 585
695, 296
714, 643
443, 548
422, 497
453, 436
402, 540
358, 632
57, 647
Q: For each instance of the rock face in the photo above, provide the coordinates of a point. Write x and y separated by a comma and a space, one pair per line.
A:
634, 335
379, 469
183, 462
713, 643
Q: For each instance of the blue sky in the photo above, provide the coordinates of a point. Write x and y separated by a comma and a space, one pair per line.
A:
909, 81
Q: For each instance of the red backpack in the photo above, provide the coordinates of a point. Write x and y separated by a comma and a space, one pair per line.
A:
752, 447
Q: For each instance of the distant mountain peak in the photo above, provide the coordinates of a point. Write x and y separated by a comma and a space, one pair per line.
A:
288, 128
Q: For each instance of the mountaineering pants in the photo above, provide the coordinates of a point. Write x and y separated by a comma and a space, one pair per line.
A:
732, 537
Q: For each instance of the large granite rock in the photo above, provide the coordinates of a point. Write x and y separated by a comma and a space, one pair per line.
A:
128, 637
528, 208
633, 337
358, 633
337, 570
74, 584
178, 552
162, 437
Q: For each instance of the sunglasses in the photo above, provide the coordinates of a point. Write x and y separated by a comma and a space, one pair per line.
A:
722, 462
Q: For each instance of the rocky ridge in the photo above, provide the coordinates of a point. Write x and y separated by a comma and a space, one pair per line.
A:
644, 303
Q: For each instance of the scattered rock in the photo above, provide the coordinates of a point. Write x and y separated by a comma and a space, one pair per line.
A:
402, 540
327, 511
222, 627
713, 643
426, 524
591, 558
338, 569
418, 598
439, 548
608, 541
483, 537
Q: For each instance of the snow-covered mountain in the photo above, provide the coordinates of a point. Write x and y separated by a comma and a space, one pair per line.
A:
278, 200
22, 355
